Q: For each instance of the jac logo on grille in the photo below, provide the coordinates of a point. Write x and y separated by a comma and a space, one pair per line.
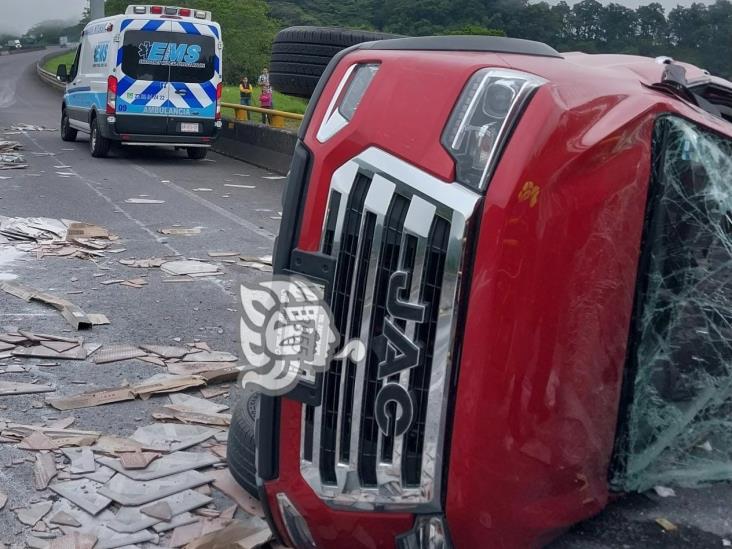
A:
397, 353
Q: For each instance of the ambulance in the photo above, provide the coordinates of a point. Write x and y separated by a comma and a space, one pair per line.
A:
150, 77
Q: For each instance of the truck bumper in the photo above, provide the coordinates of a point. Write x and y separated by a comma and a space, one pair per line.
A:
157, 132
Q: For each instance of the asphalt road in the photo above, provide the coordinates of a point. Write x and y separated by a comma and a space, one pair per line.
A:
236, 219
231, 218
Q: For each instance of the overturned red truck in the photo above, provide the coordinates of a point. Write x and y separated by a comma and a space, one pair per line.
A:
534, 248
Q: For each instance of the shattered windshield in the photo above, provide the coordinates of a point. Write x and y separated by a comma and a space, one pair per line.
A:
678, 423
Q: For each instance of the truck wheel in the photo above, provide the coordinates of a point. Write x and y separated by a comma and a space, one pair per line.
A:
241, 449
197, 153
67, 132
300, 55
98, 144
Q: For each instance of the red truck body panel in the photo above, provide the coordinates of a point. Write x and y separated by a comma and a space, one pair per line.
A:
551, 289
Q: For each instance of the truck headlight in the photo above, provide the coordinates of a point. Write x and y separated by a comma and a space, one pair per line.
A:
483, 118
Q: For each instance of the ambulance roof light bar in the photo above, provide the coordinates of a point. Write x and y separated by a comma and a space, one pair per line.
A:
169, 11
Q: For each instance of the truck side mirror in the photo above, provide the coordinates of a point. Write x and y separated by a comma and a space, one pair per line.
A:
62, 74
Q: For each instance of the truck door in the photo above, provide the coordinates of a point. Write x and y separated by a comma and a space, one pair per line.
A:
143, 69
195, 72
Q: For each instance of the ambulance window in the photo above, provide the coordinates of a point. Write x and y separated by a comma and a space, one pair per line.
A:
75, 65
676, 427
168, 56
197, 64
141, 59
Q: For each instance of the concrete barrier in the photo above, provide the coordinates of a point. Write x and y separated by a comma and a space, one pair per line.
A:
257, 144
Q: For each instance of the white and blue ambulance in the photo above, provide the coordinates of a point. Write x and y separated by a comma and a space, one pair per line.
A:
149, 77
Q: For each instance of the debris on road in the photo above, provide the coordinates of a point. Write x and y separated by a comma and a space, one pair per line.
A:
30, 128
664, 491
71, 312
263, 263
8, 388
44, 470
192, 268
152, 263
666, 524
56, 237
9, 158
181, 231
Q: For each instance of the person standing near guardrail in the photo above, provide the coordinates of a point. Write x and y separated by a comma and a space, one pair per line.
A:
265, 102
264, 78
245, 93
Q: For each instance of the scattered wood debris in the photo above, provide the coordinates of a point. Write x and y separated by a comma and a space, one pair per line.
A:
71, 312
44, 470
190, 267
15, 388
151, 263
56, 237
181, 231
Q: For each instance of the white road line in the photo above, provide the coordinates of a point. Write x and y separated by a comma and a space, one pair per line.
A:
210, 205
91, 184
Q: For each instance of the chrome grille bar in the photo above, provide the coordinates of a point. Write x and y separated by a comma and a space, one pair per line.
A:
402, 225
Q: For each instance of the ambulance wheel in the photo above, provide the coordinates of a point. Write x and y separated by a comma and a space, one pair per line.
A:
197, 153
67, 132
300, 55
98, 144
241, 450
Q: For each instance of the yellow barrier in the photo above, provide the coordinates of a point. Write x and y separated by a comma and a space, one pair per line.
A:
276, 118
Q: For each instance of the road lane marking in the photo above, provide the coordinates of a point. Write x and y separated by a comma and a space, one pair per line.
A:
210, 205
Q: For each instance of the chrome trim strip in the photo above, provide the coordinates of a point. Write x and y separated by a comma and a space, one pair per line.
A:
429, 197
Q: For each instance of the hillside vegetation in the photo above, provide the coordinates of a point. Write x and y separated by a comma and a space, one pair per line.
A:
699, 34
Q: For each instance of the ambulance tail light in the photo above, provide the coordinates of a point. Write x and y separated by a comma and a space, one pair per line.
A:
184, 12
139, 10
112, 95
483, 119
202, 15
219, 90
156, 10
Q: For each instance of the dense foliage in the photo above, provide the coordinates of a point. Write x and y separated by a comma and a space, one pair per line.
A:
246, 27
699, 34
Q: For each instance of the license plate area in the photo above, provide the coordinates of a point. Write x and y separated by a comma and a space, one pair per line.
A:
190, 127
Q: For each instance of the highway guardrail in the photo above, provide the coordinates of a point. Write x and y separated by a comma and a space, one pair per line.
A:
48, 77
277, 118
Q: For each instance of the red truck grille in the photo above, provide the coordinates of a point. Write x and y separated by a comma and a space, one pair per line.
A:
386, 218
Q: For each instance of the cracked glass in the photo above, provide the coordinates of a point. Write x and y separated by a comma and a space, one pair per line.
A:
676, 425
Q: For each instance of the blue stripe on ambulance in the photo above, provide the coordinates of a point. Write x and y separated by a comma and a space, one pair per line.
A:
126, 82
190, 28
124, 24
188, 97
152, 25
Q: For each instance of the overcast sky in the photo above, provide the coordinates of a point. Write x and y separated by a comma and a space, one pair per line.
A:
20, 15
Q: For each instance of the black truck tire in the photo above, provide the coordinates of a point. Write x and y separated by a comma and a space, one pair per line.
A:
241, 450
300, 55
